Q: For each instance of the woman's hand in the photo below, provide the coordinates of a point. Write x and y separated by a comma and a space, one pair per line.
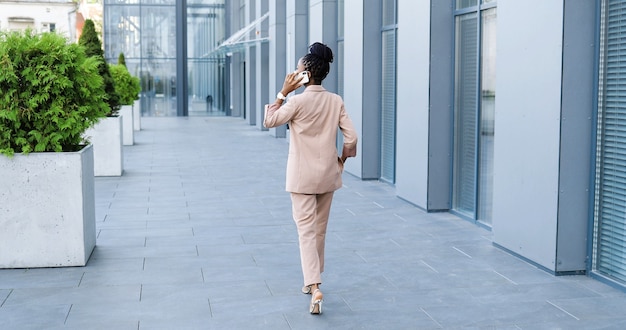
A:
347, 152
292, 82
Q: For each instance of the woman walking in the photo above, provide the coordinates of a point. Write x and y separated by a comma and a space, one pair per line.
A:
313, 166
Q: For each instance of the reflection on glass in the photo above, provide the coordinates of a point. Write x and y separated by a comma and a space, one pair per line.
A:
205, 31
340, 18
465, 114
388, 107
460, 4
389, 12
158, 62
487, 114
145, 31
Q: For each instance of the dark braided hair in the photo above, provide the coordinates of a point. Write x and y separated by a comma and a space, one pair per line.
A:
317, 61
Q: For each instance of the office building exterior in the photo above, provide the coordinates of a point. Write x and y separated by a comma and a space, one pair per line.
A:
510, 114
169, 45
39, 16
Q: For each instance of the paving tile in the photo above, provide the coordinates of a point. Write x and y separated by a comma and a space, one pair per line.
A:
495, 314
4, 294
124, 312
77, 295
592, 307
113, 263
33, 317
132, 277
201, 237
41, 277
103, 323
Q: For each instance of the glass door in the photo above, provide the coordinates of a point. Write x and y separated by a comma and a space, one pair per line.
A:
474, 109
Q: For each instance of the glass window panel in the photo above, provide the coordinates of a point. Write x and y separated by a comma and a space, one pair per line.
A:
388, 127
145, 31
123, 32
460, 4
487, 114
465, 114
339, 59
340, 68
389, 12
158, 2
609, 253
119, 2
190, 3
158, 84
340, 19
205, 30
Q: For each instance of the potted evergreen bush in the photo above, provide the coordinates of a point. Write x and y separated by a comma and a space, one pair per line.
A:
137, 103
50, 93
106, 135
127, 88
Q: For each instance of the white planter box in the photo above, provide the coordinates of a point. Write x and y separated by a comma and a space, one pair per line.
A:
137, 115
126, 111
47, 209
106, 137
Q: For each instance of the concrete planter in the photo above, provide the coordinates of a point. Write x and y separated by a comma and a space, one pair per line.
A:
127, 125
106, 137
47, 209
137, 115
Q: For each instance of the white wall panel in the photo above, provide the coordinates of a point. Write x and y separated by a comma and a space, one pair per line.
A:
353, 75
412, 101
527, 128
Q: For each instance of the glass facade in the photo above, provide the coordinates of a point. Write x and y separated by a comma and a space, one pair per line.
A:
609, 227
474, 109
147, 33
388, 92
340, 60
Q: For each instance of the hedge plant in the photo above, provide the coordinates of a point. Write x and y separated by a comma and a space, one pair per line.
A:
50, 93
93, 48
126, 86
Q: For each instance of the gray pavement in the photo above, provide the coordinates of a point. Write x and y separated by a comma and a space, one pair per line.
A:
197, 234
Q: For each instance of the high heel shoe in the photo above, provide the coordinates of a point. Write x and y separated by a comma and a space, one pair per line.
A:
316, 302
307, 289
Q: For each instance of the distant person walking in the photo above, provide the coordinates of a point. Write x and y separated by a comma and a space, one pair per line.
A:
313, 166
209, 102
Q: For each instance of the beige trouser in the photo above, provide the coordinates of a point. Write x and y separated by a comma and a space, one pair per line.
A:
310, 212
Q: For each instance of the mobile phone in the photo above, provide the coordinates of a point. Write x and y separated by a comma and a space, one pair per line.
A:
304, 77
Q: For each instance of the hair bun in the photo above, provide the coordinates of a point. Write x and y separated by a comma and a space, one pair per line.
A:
322, 51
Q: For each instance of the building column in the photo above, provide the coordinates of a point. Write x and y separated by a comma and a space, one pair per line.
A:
413, 110
182, 99
234, 64
323, 28
277, 55
297, 32
362, 46
262, 68
251, 64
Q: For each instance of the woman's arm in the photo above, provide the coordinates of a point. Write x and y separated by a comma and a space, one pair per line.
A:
272, 119
349, 135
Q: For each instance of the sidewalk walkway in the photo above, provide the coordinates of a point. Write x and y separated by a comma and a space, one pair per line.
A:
197, 234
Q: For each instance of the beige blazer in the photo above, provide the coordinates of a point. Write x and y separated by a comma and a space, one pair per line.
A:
313, 117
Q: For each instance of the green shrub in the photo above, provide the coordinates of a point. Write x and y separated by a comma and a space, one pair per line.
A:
93, 48
121, 60
126, 86
50, 93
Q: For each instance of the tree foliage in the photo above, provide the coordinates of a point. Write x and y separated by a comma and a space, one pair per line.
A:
121, 60
93, 48
126, 86
50, 93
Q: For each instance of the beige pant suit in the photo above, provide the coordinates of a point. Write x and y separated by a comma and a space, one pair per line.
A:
313, 168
